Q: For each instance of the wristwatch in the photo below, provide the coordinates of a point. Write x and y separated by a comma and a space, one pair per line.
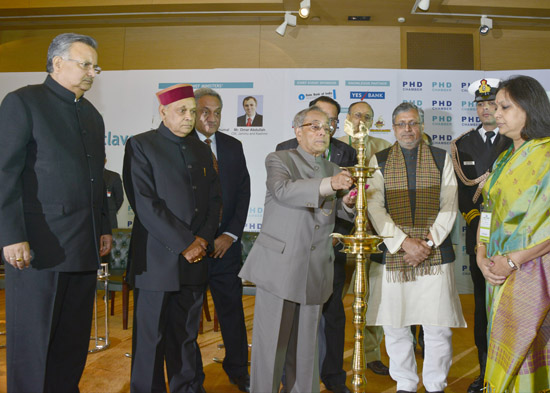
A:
430, 242
511, 263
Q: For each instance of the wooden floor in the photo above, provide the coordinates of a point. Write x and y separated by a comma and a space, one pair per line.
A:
109, 371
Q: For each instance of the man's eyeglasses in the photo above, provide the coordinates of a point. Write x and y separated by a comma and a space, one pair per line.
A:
85, 65
359, 116
333, 121
414, 125
317, 126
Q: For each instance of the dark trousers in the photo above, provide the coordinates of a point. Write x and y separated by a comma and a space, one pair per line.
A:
332, 328
49, 318
166, 325
480, 313
227, 292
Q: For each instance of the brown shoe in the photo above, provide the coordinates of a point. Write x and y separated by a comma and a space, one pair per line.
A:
378, 367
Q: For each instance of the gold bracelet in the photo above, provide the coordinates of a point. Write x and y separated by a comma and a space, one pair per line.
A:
479, 245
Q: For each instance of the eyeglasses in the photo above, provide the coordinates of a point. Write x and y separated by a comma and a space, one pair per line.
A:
85, 65
412, 124
359, 116
317, 127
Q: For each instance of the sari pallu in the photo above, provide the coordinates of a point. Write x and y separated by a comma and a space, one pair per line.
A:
518, 358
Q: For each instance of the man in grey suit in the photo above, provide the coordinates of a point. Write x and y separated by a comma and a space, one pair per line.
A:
291, 260
333, 320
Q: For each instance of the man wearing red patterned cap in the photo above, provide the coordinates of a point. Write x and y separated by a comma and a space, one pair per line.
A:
174, 190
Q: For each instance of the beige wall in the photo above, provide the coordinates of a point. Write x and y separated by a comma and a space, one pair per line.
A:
258, 46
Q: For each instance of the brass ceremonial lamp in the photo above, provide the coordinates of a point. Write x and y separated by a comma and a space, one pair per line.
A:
360, 244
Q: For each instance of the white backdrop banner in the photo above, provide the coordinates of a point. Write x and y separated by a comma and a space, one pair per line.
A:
127, 101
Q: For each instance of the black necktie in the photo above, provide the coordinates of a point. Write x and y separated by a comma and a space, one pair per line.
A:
488, 136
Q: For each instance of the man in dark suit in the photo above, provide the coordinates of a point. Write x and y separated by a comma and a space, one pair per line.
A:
53, 225
174, 190
250, 118
225, 262
333, 319
115, 194
473, 155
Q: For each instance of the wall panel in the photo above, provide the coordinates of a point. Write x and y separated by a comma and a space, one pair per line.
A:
258, 46
330, 46
515, 49
192, 47
26, 50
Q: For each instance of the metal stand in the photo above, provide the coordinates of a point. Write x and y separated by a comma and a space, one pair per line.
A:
361, 245
101, 343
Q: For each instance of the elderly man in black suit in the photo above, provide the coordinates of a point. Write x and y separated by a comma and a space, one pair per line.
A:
53, 225
174, 190
225, 262
333, 319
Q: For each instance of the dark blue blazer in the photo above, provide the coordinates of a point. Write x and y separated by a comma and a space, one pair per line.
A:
235, 186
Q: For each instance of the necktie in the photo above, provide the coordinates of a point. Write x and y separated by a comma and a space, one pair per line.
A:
488, 136
208, 141
249, 122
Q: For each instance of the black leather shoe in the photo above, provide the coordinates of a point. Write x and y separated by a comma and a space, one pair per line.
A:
242, 382
338, 388
439, 391
378, 367
404, 391
477, 385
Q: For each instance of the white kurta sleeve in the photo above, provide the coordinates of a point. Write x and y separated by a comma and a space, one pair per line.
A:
378, 215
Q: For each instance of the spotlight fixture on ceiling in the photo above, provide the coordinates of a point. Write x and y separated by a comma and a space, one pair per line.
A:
486, 25
290, 20
424, 5
305, 6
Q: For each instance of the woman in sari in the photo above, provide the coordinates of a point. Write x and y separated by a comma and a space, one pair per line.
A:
513, 250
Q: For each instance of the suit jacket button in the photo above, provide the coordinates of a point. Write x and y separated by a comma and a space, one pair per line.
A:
92, 179
315, 168
312, 248
316, 226
190, 166
183, 148
196, 210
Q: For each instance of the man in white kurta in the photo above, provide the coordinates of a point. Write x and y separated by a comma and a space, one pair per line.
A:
415, 285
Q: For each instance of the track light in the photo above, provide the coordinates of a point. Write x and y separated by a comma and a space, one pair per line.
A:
424, 5
486, 25
305, 6
290, 20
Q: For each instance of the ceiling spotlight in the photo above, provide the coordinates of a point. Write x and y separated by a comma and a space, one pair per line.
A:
424, 5
290, 20
305, 6
486, 25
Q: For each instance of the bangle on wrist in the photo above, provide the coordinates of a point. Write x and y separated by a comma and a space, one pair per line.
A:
479, 244
511, 263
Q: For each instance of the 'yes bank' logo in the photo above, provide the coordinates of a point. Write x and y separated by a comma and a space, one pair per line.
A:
367, 95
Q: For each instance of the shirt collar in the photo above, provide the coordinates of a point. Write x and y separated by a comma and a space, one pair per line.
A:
64, 93
165, 131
